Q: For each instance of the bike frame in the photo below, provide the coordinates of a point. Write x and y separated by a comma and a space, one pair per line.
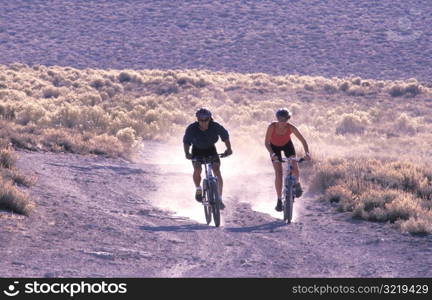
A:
289, 181
289, 178
210, 186
210, 177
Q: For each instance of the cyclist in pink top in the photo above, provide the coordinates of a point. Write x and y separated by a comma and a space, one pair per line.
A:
278, 139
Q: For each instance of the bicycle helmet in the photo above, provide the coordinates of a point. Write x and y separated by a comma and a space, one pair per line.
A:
203, 113
283, 113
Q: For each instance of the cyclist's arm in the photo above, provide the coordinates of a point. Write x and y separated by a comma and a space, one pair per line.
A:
186, 148
268, 137
301, 138
224, 135
187, 140
228, 146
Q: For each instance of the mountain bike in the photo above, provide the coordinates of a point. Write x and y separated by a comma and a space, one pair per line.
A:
288, 191
211, 199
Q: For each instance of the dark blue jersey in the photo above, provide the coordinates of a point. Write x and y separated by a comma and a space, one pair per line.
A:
207, 138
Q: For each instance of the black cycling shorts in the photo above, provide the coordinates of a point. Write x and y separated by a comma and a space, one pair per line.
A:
288, 149
201, 153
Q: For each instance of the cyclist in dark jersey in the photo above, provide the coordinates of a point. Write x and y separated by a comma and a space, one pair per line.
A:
203, 135
278, 139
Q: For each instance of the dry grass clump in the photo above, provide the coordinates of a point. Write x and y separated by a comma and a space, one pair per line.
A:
409, 90
378, 190
352, 124
7, 158
14, 200
10, 197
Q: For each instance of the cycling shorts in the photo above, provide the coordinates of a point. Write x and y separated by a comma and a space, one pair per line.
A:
288, 149
201, 153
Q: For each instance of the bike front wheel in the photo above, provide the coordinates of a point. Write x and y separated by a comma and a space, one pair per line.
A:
208, 213
288, 204
215, 207
207, 205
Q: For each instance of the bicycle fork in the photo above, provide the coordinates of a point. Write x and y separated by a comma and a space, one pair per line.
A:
289, 183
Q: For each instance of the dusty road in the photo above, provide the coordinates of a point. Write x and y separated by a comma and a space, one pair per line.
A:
99, 217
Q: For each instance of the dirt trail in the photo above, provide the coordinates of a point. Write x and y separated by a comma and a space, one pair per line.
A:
99, 217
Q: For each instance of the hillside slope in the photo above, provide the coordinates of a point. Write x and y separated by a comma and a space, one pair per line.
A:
372, 39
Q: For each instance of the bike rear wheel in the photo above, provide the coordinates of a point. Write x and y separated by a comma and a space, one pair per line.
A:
207, 205
215, 203
288, 204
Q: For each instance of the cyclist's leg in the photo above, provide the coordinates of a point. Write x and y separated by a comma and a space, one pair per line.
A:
196, 153
277, 166
197, 174
216, 168
217, 172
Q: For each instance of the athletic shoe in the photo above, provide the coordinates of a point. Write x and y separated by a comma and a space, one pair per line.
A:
279, 205
298, 191
199, 195
221, 205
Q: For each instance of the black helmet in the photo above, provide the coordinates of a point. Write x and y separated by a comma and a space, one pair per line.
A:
203, 113
283, 113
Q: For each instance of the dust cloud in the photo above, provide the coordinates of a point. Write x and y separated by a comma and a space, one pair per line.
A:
247, 174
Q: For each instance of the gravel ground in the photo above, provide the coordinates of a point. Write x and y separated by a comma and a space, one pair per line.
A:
99, 217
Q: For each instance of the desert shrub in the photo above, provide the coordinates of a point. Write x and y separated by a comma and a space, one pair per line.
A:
344, 86
394, 190
7, 111
352, 124
151, 116
309, 87
126, 135
108, 145
179, 117
124, 77
13, 199
396, 91
410, 90
417, 225
12, 95
30, 113
341, 195
356, 81
68, 116
356, 91
58, 140
51, 92
327, 175
97, 83
405, 124
167, 88
90, 99
94, 118
7, 158
330, 88
13, 175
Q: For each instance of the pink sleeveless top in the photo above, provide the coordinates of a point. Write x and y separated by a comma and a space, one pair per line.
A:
280, 140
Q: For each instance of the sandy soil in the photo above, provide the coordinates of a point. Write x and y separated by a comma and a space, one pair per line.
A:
383, 39
99, 217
